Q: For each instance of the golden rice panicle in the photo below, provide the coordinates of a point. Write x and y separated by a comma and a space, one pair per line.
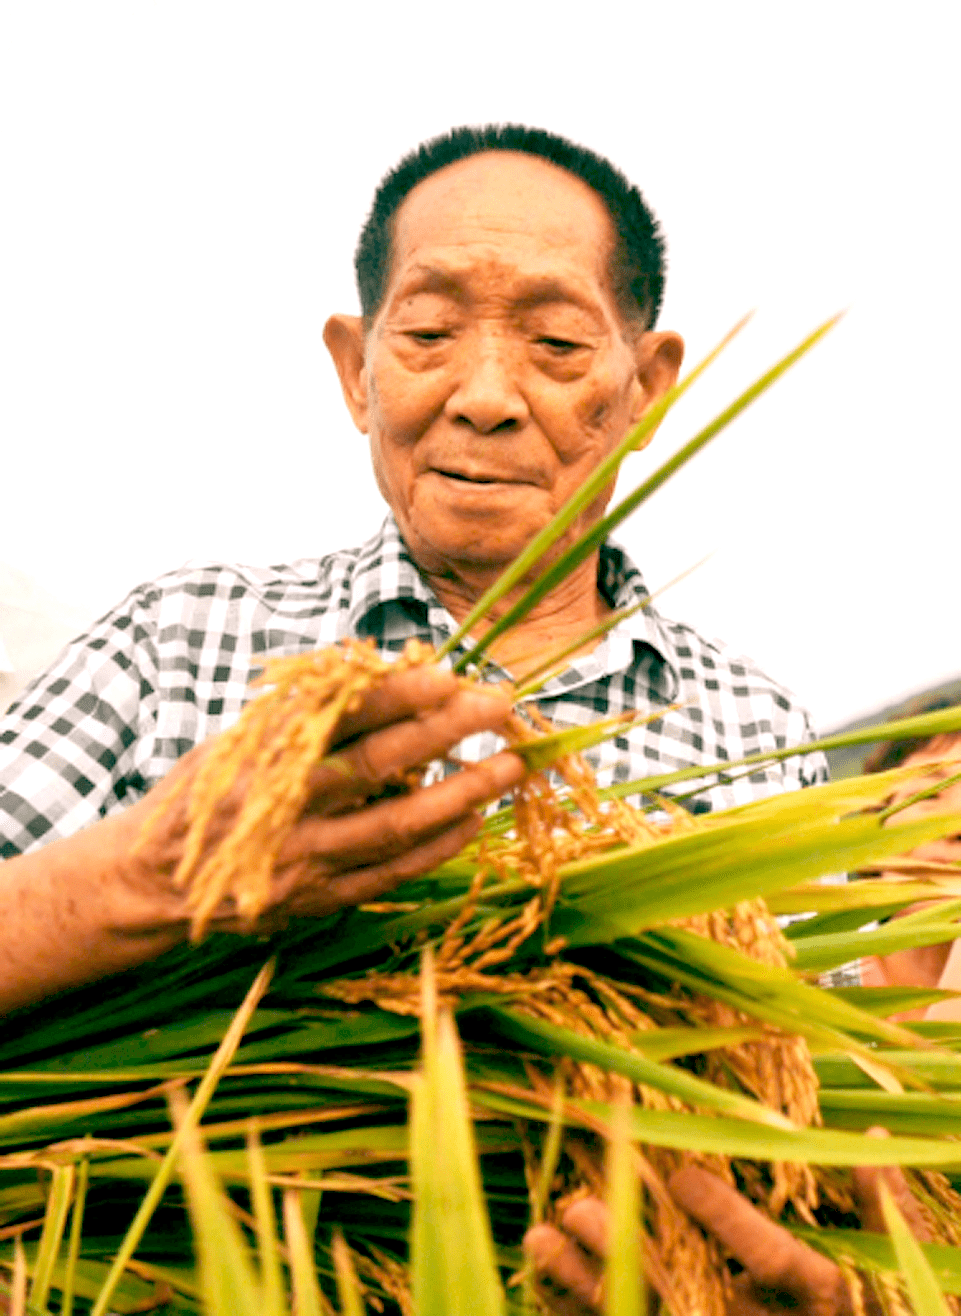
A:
268, 754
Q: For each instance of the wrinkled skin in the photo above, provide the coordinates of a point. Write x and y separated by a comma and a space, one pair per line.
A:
99, 902
363, 832
498, 372
780, 1275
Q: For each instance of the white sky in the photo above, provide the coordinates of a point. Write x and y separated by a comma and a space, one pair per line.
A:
182, 184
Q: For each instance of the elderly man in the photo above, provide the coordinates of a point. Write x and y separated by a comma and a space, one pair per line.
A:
509, 282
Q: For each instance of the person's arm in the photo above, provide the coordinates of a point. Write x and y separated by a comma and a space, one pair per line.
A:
97, 903
781, 1274
920, 966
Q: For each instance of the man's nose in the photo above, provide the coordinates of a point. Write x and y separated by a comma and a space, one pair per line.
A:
487, 395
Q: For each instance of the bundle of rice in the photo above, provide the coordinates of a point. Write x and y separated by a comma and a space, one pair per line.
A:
617, 974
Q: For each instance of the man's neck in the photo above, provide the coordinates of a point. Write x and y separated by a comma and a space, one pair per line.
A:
569, 611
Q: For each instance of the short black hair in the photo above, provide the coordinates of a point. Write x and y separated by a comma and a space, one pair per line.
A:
638, 261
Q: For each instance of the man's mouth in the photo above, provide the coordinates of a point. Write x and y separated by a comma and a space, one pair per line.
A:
462, 477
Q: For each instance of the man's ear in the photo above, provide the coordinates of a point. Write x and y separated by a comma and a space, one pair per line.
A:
658, 358
344, 336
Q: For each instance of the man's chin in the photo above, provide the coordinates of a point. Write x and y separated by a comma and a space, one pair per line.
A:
467, 551
473, 534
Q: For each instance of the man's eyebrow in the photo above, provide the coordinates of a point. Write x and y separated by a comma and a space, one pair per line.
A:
533, 291
430, 278
539, 291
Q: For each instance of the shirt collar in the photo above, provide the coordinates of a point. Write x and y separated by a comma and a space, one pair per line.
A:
386, 577
622, 585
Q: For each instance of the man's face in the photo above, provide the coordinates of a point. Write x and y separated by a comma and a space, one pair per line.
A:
499, 370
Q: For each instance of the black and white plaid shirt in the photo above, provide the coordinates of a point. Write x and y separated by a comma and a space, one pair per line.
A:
170, 666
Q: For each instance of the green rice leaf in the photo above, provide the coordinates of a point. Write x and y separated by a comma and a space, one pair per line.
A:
36, 1121
550, 1039
762, 991
742, 1139
875, 1252
541, 753
554, 663
271, 1275
866, 899
939, 1069
205, 1090
816, 954
345, 1148
943, 721
669, 1043
551, 1154
132, 1294
58, 1204
835, 921
76, 1229
624, 1293
453, 1269
624, 891
885, 1001
179, 1037
937, 1114
918, 1277
227, 1277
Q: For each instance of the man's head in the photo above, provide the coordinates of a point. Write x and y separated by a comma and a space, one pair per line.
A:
638, 253
498, 368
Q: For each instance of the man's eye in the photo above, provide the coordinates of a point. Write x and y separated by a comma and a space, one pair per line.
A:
428, 336
562, 346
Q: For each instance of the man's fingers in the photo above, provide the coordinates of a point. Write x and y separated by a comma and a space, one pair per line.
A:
389, 827
774, 1258
588, 1220
574, 1278
364, 766
398, 696
312, 895
382, 754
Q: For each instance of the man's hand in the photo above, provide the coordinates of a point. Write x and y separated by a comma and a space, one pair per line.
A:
780, 1275
103, 900
363, 831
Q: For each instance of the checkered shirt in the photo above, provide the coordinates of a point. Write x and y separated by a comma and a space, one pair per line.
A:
171, 665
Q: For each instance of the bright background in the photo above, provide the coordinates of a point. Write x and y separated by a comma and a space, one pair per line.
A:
182, 186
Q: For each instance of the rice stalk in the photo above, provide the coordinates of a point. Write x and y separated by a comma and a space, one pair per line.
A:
551, 1005
586, 932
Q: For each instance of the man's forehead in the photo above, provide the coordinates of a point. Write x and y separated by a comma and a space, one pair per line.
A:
503, 205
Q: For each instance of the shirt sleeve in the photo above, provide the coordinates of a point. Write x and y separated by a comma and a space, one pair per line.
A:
73, 745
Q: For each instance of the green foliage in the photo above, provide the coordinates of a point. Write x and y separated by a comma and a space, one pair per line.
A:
392, 1155
623, 1273
919, 1279
453, 1270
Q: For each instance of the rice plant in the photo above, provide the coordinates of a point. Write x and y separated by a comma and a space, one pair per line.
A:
366, 1114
